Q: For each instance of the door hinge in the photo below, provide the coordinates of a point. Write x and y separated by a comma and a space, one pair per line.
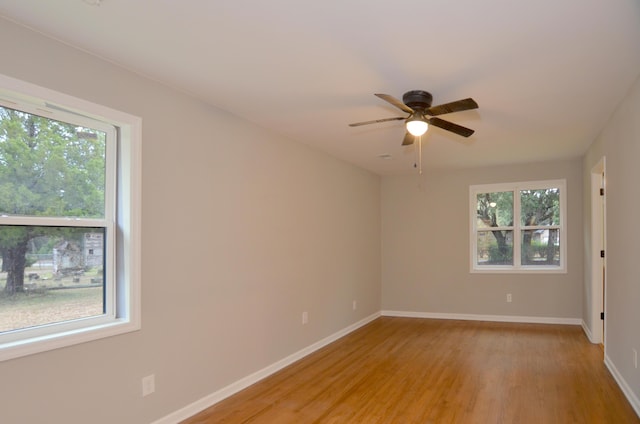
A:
602, 253
601, 192
602, 316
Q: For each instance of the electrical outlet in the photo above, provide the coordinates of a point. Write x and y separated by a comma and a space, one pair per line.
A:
635, 358
355, 305
305, 317
148, 385
509, 297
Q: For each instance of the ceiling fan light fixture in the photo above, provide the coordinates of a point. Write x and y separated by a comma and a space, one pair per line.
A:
417, 126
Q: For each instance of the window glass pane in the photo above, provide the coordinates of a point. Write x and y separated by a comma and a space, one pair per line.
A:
541, 247
494, 209
495, 247
50, 275
540, 207
50, 168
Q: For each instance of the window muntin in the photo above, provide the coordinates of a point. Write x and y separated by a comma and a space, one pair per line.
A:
108, 143
518, 227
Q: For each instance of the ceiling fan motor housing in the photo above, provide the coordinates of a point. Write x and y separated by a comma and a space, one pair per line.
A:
417, 99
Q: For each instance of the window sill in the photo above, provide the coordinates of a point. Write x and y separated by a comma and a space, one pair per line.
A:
37, 344
510, 270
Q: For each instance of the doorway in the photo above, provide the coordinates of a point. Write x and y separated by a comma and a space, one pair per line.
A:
598, 253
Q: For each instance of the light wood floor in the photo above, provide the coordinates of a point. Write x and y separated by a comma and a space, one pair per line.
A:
403, 370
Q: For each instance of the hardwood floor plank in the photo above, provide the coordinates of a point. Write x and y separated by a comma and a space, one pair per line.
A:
404, 370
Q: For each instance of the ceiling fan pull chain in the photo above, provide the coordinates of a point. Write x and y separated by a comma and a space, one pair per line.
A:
420, 153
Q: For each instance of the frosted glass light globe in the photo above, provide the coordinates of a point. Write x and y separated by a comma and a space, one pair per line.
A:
417, 127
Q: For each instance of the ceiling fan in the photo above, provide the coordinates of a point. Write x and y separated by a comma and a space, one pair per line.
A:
417, 103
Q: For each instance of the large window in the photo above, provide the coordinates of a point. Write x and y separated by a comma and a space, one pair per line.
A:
518, 227
69, 241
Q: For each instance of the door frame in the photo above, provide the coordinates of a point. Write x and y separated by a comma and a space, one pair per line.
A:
598, 243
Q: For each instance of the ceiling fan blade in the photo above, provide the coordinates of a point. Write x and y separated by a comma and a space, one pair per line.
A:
408, 139
457, 106
397, 103
376, 121
450, 126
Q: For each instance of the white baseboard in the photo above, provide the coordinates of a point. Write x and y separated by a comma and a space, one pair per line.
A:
626, 389
225, 392
475, 317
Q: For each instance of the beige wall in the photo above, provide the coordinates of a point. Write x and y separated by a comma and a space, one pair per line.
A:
620, 144
426, 250
242, 231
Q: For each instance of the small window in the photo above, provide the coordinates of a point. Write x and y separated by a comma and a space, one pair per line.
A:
518, 227
68, 224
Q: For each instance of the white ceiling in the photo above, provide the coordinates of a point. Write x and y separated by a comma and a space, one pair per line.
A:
547, 74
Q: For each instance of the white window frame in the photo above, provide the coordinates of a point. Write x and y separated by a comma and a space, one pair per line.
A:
517, 227
122, 214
